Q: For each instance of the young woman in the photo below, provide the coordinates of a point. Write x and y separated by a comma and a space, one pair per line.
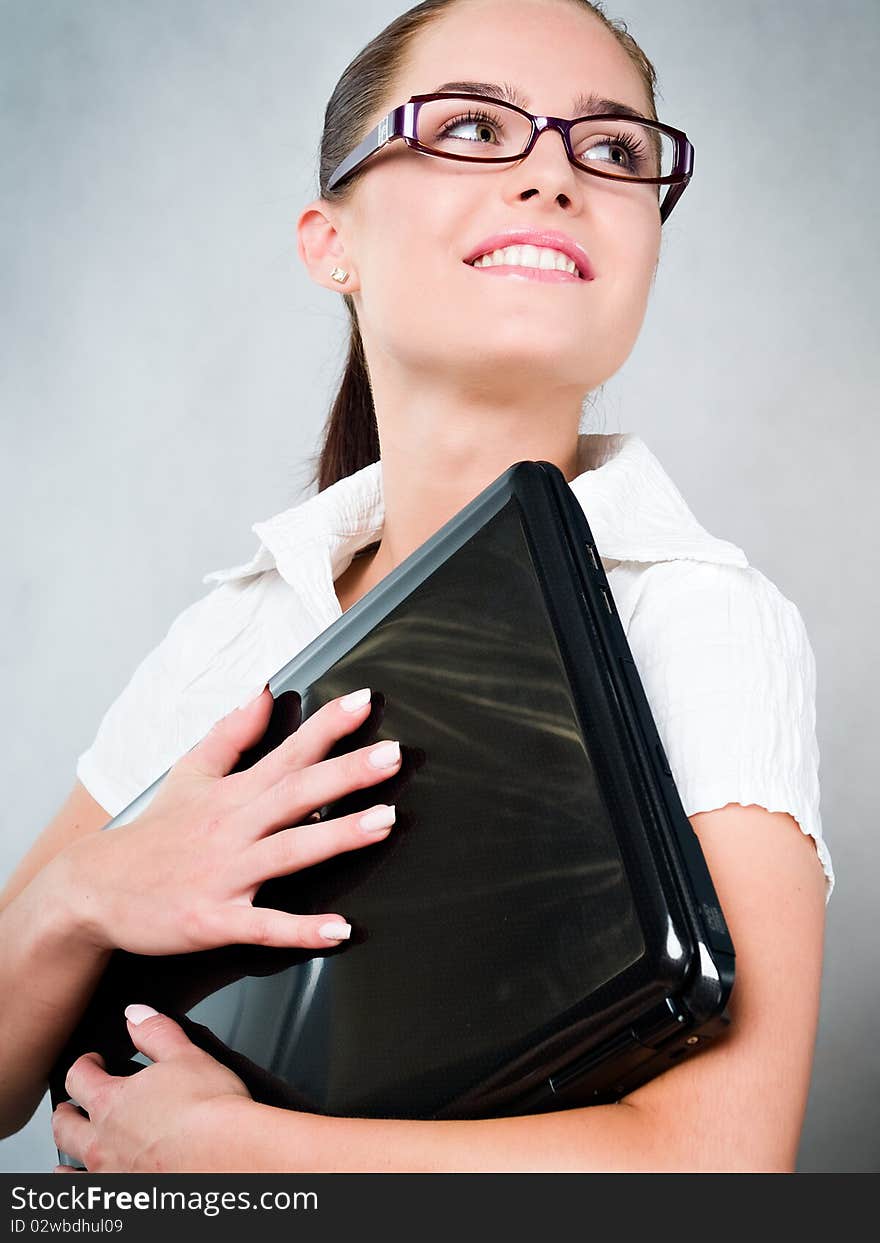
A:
458, 366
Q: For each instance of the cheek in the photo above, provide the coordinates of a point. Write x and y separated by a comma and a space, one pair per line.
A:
419, 226
623, 290
629, 261
407, 303
410, 275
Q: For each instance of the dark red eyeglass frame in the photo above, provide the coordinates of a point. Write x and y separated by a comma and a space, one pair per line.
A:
402, 122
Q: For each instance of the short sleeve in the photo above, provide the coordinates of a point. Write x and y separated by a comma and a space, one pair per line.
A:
211, 655
730, 676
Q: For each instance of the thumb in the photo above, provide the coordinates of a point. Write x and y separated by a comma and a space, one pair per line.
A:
222, 747
156, 1034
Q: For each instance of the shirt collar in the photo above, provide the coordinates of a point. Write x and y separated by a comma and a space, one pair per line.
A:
635, 512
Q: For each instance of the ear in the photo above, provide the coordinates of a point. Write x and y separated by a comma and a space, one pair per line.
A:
320, 245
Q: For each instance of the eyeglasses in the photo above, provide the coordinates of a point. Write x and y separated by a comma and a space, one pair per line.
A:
483, 130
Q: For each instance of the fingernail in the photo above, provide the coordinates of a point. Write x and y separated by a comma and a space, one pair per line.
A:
137, 1014
385, 754
335, 931
378, 818
355, 700
251, 697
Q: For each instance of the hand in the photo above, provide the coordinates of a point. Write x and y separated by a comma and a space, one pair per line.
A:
182, 876
148, 1122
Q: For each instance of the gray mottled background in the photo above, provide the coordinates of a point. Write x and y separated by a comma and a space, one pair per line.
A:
167, 366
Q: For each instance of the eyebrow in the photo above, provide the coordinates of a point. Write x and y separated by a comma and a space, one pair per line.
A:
589, 104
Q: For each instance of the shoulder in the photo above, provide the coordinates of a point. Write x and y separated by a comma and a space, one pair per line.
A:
680, 585
729, 673
220, 648
223, 638
721, 649
712, 612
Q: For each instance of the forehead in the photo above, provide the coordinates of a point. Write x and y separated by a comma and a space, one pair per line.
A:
549, 52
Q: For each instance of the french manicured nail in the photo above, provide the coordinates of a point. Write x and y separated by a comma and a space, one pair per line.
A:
355, 700
335, 931
251, 697
137, 1014
385, 754
378, 818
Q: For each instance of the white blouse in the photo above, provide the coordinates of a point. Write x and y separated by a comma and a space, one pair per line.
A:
723, 655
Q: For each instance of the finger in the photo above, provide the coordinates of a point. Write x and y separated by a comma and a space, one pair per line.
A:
298, 793
71, 1131
85, 1077
66, 1169
293, 849
224, 744
156, 1034
257, 925
306, 745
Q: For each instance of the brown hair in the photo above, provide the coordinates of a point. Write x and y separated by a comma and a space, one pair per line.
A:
351, 437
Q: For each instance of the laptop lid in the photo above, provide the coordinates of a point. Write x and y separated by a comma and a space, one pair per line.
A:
540, 928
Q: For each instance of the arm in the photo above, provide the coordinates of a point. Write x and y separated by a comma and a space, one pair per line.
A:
737, 1106
49, 968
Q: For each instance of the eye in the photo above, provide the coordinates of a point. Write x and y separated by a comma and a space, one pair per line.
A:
486, 126
631, 146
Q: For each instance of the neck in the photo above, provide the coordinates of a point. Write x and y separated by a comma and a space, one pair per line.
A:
441, 449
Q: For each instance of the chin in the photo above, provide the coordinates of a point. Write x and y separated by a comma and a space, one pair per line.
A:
547, 353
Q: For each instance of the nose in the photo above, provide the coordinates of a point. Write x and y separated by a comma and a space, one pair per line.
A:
548, 164
545, 124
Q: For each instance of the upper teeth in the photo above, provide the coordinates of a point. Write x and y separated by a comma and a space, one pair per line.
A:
528, 257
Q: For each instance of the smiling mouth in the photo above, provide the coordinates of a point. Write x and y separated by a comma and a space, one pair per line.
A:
525, 271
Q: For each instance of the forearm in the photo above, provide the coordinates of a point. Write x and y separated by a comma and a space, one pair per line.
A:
48, 972
247, 1137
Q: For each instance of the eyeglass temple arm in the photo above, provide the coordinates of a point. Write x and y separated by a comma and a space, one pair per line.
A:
673, 194
677, 189
391, 126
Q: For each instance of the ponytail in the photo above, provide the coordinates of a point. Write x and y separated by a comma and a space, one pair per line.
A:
351, 436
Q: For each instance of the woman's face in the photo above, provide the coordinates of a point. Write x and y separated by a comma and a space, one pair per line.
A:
412, 219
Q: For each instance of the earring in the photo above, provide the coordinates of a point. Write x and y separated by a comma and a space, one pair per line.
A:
339, 274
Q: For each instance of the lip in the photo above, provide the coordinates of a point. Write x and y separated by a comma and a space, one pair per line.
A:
523, 273
534, 237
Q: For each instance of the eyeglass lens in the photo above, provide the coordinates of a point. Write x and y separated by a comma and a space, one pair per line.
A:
479, 129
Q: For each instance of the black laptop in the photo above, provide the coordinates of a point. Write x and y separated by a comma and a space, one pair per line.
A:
539, 930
